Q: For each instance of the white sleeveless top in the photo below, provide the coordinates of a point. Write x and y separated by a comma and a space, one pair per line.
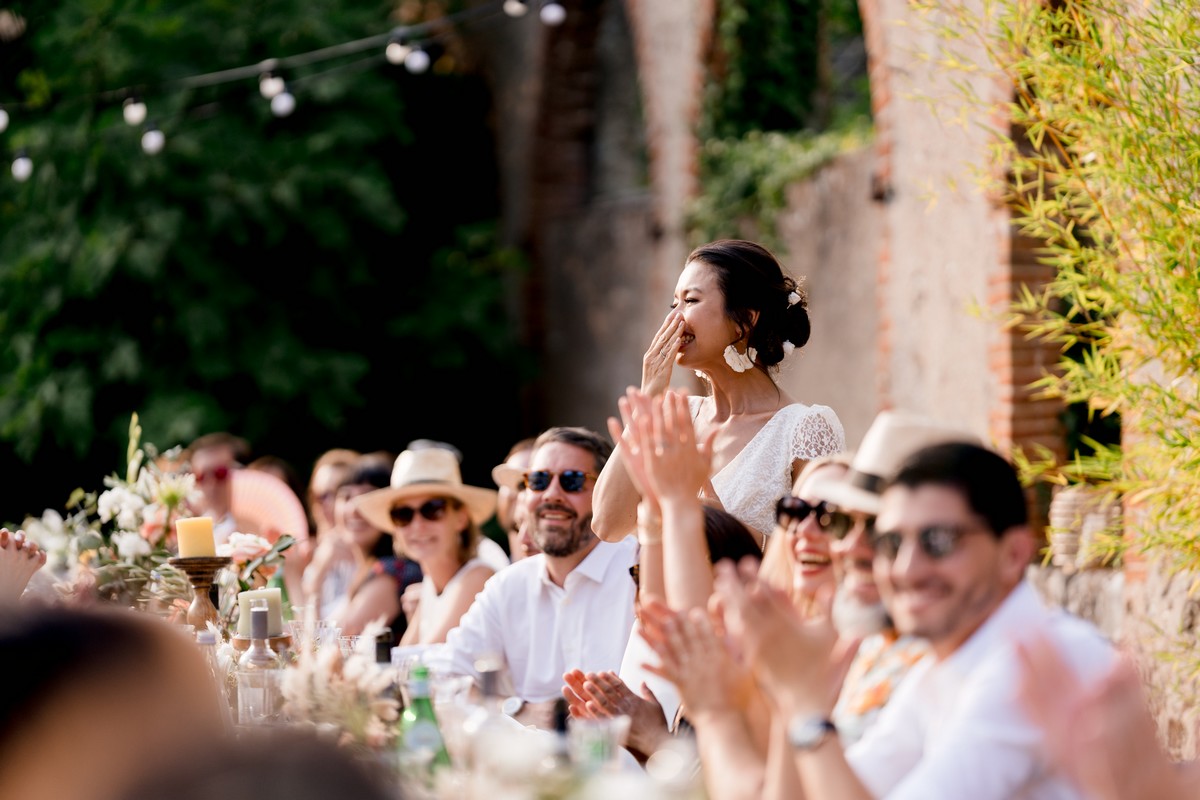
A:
432, 609
751, 483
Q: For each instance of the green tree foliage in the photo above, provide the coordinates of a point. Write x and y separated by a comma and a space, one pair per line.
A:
765, 66
775, 110
323, 279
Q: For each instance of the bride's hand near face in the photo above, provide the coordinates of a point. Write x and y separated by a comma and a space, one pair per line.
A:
660, 356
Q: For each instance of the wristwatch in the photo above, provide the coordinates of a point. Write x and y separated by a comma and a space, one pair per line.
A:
809, 733
512, 706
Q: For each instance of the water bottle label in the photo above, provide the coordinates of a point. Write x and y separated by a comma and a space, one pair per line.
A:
423, 736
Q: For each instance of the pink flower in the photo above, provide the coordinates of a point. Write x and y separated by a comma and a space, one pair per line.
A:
244, 547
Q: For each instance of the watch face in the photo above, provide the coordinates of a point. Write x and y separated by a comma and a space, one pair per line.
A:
512, 706
806, 734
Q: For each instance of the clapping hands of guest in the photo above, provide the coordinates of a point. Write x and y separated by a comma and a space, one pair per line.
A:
20, 558
602, 695
798, 662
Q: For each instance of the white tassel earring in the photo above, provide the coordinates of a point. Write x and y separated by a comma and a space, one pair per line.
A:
740, 362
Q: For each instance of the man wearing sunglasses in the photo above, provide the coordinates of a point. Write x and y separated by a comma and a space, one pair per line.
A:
213, 458
952, 544
569, 606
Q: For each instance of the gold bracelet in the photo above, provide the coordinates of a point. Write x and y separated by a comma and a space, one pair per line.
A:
649, 529
646, 537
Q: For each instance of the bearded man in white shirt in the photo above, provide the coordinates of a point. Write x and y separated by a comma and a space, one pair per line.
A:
570, 606
952, 545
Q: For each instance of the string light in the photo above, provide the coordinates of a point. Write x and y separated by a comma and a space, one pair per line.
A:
417, 61
516, 8
269, 85
283, 103
134, 111
415, 58
153, 140
22, 166
553, 13
396, 50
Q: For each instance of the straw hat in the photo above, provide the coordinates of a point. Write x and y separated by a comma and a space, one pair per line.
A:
508, 476
892, 437
431, 470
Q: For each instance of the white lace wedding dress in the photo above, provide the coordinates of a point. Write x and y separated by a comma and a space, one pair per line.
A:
750, 484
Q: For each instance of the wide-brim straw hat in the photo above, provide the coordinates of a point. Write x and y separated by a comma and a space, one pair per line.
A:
508, 476
431, 470
892, 438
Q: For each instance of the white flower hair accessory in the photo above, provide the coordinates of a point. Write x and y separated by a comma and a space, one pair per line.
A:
793, 298
788, 347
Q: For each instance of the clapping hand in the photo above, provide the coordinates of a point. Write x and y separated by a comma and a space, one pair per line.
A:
797, 661
600, 695
694, 657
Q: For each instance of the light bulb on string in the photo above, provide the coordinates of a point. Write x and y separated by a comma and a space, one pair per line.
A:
153, 140
516, 8
553, 13
269, 86
396, 50
3, 120
283, 103
134, 111
417, 61
22, 166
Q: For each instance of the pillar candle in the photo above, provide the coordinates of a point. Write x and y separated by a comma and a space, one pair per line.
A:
274, 600
195, 536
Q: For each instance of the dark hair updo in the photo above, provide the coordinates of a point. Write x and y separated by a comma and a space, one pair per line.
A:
752, 280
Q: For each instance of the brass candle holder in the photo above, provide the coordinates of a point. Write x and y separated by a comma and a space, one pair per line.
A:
201, 571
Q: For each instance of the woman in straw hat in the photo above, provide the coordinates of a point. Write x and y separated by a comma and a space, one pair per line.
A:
434, 519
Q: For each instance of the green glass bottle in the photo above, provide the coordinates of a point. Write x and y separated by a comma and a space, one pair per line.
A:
420, 742
276, 581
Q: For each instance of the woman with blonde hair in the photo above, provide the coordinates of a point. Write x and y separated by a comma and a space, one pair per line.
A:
435, 520
326, 577
798, 558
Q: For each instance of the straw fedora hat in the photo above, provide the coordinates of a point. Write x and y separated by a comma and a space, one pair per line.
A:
892, 437
431, 470
508, 476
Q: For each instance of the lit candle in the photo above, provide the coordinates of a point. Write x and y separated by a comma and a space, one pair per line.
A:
274, 598
195, 536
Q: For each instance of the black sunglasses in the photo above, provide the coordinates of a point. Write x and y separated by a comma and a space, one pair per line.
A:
571, 480
432, 510
836, 523
935, 541
634, 572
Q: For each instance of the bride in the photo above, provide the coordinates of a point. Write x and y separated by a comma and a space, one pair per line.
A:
734, 318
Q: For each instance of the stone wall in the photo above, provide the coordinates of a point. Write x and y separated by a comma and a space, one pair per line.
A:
832, 232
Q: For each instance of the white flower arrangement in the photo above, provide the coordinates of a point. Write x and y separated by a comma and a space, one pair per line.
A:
353, 693
114, 544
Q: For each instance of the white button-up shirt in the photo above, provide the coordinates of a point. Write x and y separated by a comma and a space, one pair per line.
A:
542, 630
955, 728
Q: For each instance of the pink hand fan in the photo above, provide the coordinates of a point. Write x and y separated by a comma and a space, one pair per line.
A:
267, 504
